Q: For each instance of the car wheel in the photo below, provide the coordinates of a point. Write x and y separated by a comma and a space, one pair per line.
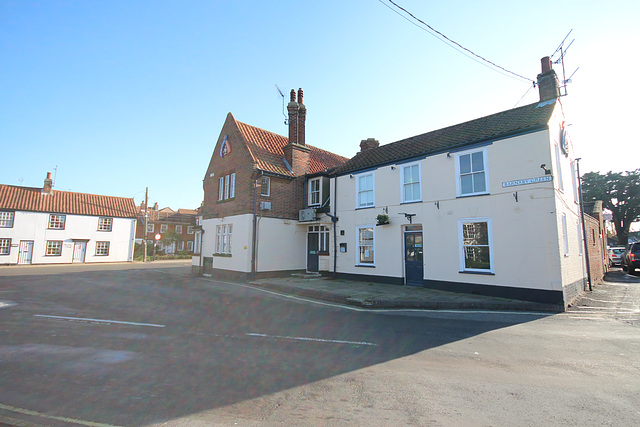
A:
631, 269
624, 267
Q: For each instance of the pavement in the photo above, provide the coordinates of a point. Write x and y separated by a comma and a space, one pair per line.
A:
386, 296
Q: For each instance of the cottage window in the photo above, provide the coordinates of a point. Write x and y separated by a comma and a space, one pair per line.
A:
476, 245
105, 224
411, 191
180, 246
102, 248
223, 239
366, 244
179, 229
265, 186
190, 246
163, 228
5, 246
54, 248
365, 190
6, 219
56, 222
472, 174
314, 192
190, 229
150, 228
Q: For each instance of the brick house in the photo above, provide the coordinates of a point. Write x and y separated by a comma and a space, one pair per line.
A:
254, 189
47, 226
489, 206
159, 221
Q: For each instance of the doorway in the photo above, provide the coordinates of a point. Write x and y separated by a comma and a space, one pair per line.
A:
79, 251
312, 252
26, 252
413, 256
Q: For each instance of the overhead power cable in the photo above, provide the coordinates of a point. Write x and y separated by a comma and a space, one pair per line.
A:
452, 43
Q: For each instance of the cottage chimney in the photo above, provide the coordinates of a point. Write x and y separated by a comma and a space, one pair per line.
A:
368, 144
302, 117
548, 85
296, 152
48, 184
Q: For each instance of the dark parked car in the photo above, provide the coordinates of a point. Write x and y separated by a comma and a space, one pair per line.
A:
631, 257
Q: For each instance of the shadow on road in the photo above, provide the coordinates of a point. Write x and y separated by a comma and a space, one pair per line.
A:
221, 344
619, 276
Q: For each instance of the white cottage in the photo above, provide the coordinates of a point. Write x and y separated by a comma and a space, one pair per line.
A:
490, 206
46, 226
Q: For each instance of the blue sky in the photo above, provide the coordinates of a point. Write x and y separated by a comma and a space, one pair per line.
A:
123, 95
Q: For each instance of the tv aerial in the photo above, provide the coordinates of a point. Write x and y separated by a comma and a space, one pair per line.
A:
563, 51
286, 119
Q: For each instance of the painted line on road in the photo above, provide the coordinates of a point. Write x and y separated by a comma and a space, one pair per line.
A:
83, 319
312, 339
53, 417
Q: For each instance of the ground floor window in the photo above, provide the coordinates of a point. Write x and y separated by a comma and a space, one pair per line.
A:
54, 248
476, 246
366, 244
102, 248
223, 239
5, 246
190, 246
180, 246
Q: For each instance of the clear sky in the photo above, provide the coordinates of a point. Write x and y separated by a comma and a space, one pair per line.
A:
123, 95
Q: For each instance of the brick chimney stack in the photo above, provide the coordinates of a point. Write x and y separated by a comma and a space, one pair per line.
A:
548, 85
48, 184
296, 152
368, 144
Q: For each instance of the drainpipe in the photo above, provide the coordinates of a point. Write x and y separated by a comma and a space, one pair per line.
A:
334, 220
255, 226
584, 230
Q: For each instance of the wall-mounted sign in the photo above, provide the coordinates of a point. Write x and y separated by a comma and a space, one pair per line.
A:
545, 178
225, 148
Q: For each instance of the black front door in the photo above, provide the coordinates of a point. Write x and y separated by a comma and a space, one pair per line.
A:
312, 252
413, 265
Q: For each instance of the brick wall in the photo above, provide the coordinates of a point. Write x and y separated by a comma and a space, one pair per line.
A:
594, 246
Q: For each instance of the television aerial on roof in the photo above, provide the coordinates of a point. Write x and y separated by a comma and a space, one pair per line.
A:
562, 50
286, 119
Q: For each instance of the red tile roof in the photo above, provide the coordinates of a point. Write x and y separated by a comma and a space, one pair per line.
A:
33, 200
266, 148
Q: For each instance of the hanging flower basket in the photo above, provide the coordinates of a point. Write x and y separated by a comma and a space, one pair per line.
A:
382, 219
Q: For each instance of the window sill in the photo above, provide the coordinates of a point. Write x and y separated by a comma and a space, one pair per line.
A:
364, 207
223, 255
410, 202
484, 273
230, 199
365, 266
323, 253
462, 196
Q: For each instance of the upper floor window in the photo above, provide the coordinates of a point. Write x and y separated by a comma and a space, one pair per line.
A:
411, 191
365, 190
6, 219
565, 236
265, 186
150, 227
472, 173
105, 223
226, 187
56, 222
574, 182
190, 229
314, 192
179, 229
163, 228
476, 245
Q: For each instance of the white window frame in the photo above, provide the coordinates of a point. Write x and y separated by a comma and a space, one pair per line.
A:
105, 223
190, 229
485, 170
5, 246
232, 186
102, 248
178, 229
565, 235
57, 221
164, 228
574, 182
224, 233
461, 245
404, 184
180, 245
189, 246
150, 227
221, 188
53, 248
263, 186
6, 219
372, 246
315, 192
559, 168
367, 190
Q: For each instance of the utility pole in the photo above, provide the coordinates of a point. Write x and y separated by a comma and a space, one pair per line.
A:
146, 220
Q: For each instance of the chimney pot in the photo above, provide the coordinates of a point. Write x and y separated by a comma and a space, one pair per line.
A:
546, 64
300, 94
48, 184
548, 84
292, 96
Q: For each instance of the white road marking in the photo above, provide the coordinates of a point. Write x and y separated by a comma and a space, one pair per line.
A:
53, 417
99, 320
312, 339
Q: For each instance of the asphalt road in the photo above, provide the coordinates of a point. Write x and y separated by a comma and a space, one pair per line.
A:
124, 345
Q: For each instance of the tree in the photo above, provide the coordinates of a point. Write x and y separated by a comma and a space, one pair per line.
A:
169, 238
620, 193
